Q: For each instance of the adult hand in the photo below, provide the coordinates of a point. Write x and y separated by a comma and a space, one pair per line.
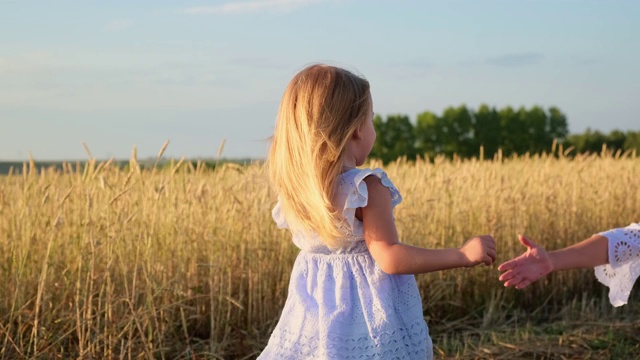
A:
527, 268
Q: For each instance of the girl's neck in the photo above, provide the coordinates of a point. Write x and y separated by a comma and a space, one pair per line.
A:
349, 164
347, 168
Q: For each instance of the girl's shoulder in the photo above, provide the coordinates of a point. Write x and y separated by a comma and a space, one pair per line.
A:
352, 193
351, 183
356, 176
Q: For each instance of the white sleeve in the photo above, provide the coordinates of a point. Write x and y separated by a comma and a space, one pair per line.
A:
278, 216
624, 263
359, 196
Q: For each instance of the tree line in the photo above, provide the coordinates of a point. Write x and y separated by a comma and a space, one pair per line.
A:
463, 131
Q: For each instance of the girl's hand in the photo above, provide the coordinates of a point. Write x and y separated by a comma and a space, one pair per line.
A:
534, 264
479, 249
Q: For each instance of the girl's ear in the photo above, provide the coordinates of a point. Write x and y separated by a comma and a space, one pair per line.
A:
358, 133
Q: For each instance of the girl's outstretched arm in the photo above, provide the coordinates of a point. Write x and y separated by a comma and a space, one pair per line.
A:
394, 257
536, 262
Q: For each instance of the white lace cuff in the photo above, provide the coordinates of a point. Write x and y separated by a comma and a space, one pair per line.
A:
624, 263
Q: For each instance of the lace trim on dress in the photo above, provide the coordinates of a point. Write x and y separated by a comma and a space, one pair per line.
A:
624, 263
386, 345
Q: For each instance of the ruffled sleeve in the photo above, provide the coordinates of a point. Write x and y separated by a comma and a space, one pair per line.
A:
358, 196
624, 263
278, 216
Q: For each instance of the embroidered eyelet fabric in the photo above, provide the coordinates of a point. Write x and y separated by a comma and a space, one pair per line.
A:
340, 305
624, 263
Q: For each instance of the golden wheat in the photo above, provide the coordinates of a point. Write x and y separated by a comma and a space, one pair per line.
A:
185, 261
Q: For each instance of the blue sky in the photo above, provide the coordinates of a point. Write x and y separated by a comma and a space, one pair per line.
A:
117, 74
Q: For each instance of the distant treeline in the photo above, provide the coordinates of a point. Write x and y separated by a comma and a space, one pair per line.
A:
464, 131
17, 167
459, 130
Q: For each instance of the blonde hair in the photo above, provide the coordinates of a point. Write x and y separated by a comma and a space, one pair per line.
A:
320, 110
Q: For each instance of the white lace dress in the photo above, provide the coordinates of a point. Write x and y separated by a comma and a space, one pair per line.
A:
340, 304
624, 263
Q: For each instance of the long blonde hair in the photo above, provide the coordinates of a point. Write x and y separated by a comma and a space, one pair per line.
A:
320, 110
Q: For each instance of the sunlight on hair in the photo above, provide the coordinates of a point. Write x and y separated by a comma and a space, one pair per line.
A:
321, 108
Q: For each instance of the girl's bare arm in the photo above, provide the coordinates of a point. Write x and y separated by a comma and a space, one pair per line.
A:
393, 257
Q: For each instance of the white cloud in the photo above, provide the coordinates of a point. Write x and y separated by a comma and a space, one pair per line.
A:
250, 6
111, 79
27, 62
517, 59
118, 25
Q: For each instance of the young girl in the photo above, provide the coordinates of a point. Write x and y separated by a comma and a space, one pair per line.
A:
615, 254
352, 294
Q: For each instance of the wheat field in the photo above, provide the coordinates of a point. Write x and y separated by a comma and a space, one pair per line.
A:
184, 261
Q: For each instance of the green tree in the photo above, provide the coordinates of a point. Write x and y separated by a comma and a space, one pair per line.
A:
457, 127
395, 138
557, 125
428, 134
513, 132
487, 131
535, 122
615, 140
632, 141
589, 141
379, 151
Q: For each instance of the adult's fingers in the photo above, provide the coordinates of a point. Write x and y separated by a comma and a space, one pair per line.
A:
508, 265
517, 279
526, 241
523, 284
507, 275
